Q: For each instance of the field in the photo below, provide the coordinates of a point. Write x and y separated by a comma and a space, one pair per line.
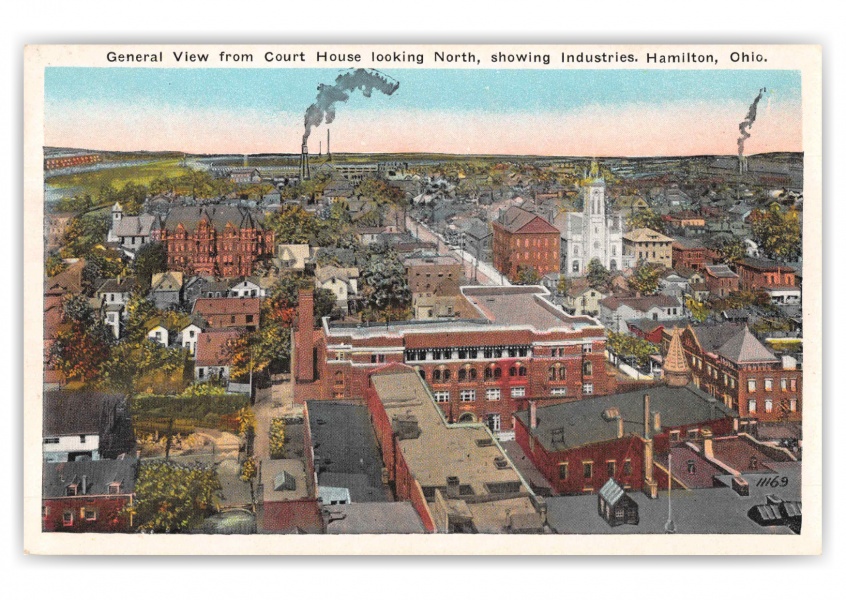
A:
90, 182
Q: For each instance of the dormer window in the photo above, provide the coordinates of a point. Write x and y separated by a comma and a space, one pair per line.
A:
114, 487
72, 490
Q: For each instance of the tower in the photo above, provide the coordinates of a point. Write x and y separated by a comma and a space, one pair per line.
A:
676, 372
305, 173
117, 213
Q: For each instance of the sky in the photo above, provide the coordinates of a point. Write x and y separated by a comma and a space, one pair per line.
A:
473, 111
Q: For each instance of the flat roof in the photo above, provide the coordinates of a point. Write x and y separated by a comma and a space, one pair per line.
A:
466, 451
373, 517
273, 469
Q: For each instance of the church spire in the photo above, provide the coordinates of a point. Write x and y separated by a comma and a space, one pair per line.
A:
676, 372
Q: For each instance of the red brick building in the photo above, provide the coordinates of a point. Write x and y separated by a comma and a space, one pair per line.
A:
721, 280
229, 313
729, 363
689, 253
518, 346
759, 273
224, 241
579, 446
88, 496
523, 239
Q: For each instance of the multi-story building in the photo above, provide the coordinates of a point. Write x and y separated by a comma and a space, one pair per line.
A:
649, 246
229, 313
429, 272
224, 241
615, 313
522, 240
482, 367
591, 234
689, 253
729, 363
721, 280
778, 280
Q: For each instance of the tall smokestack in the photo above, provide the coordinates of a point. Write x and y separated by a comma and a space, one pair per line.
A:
305, 173
647, 430
328, 149
304, 337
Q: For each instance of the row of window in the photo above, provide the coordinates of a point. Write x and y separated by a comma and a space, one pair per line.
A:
87, 514
752, 384
467, 353
491, 395
55, 440
443, 374
768, 405
588, 470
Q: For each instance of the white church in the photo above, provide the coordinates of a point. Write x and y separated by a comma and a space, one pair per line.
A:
591, 233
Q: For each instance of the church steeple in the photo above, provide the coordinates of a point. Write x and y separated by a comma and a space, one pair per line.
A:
676, 371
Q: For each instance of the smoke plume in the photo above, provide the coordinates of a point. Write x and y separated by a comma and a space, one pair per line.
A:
747, 122
364, 80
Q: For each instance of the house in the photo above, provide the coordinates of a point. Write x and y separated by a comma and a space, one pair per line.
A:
689, 253
166, 290
729, 363
131, 232
157, 331
189, 334
69, 281
230, 313
244, 176
116, 291
213, 355
579, 446
582, 299
88, 496
616, 506
341, 281
777, 279
615, 313
293, 257
456, 476
673, 284
250, 287
652, 331
524, 241
91, 425
721, 280
647, 245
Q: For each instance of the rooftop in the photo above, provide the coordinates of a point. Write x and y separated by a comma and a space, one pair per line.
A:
516, 219
227, 306
283, 480
98, 475
373, 517
213, 347
733, 341
76, 413
642, 304
644, 234
764, 264
574, 424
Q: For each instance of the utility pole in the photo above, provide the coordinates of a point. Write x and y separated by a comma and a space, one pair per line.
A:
670, 526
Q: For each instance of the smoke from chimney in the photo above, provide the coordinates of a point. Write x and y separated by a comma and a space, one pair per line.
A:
364, 80
744, 126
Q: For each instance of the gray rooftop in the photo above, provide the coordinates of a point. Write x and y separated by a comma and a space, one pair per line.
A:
98, 475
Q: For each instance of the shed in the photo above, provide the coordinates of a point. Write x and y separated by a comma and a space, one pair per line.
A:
616, 506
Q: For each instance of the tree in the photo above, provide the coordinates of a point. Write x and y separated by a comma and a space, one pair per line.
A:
645, 279
172, 498
292, 225
380, 191
631, 347
527, 275
139, 311
698, 310
82, 234
731, 249
597, 274
646, 218
53, 265
563, 285
81, 347
248, 475
132, 360
384, 286
277, 438
777, 233
151, 259
101, 263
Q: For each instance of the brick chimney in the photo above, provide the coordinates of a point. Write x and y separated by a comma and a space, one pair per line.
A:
533, 414
304, 338
707, 442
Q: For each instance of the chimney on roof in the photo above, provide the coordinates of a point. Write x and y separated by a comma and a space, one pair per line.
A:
646, 418
707, 442
656, 422
533, 414
84, 484
453, 487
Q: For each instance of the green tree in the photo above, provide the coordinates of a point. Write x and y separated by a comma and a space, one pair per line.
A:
563, 285
293, 225
731, 249
698, 310
132, 360
645, 279
646, 218
631, 347
151, 259
82, 234
597, 274
101, 263
384, 286
172, 498
81, 347
139, 311
777, 232
53, 265
527, 275
380, 191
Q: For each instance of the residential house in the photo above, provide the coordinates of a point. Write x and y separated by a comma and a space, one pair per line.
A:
247, 287
649, 246
79, 425
721, 280
231, 313
116, 291
157, 331
88, 496
213, 355
341, 281
582, 298
293, 257
777, 279
166, 290
689, 253
673, 284
522, 240
615, 313
190, 333
244, 176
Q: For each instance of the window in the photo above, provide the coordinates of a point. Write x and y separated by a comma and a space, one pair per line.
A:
493, 394
232, 319
468, 395
560, 391
753, 406
82, 439
494, 422
587, 389
587, 470
784, 385
693, 434
768, 405
768, 384
114, 488
250, 318
562, 471
51, 440
441, 396
587, 348
67, 518
793, 405
518, 392
751, 385
675, 436
587, 369
90, 514
611, 467
45, 511
627, 467
72, 490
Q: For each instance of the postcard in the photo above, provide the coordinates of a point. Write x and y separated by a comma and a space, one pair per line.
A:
443, 299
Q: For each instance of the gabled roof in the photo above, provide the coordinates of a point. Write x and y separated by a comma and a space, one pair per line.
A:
642, 304
213, 347
167, 282
644, 234
721, 272
141, 225
117, 286
226, 306
611, 492
515, 219
218, 216
764, 264
98, 475
77, 413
